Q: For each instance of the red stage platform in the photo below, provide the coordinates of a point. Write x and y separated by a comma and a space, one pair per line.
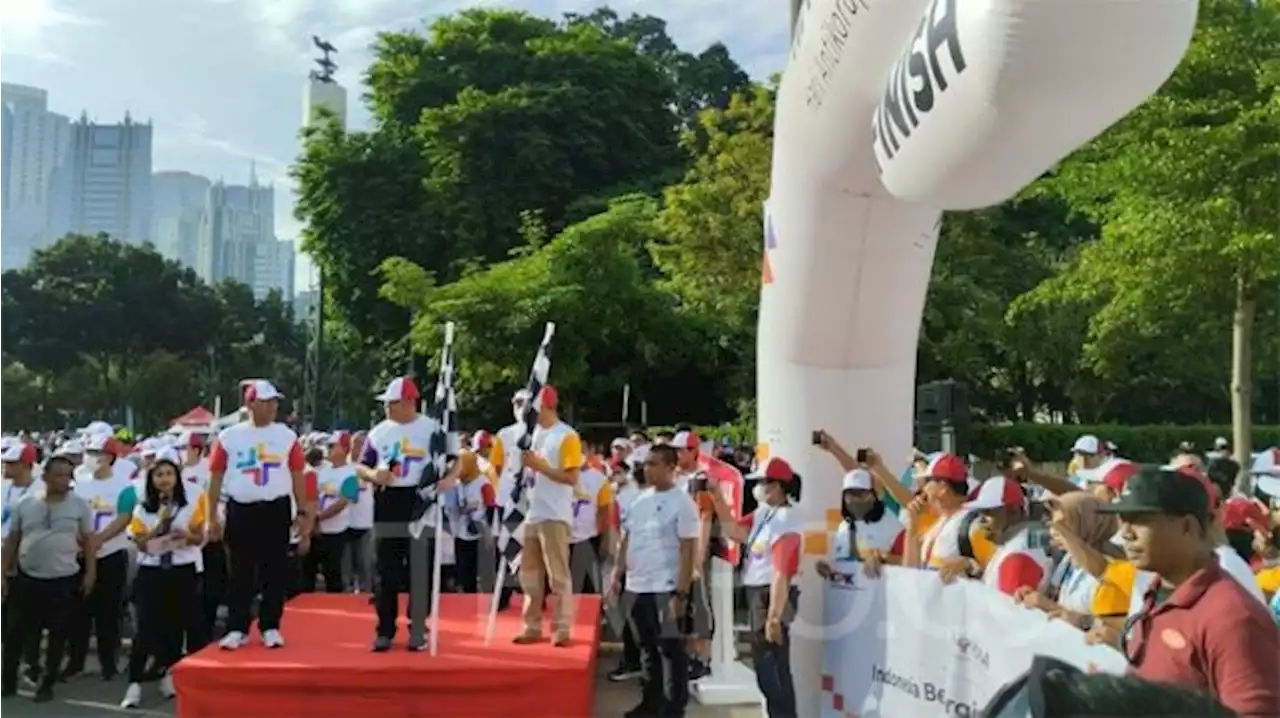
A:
327, 668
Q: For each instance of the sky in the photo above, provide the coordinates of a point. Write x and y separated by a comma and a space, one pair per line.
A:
221, 80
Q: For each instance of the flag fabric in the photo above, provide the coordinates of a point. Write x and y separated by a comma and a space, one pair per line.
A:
770, 244
516, 505
442, 408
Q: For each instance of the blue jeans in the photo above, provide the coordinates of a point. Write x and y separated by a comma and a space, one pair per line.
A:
772, 661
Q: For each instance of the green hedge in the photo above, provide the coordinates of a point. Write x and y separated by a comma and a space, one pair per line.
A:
1052, 442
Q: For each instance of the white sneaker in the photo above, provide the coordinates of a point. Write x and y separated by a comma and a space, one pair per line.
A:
166, 686
272, 639
233, 640
132, 696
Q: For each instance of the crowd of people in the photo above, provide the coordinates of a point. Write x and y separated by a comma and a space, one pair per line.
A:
201, 534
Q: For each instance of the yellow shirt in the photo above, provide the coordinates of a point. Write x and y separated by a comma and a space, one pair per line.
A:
497, 457
939, 540
1115, 589
1269, 580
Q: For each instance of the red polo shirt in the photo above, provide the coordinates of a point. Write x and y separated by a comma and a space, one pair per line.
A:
1213, 636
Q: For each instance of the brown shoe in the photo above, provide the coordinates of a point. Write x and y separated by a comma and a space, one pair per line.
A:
526, 638
561, 639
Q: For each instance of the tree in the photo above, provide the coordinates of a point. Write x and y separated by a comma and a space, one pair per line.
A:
1186, 189
613, 326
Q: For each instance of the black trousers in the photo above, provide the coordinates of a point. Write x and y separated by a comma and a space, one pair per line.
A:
664, 686
213, 584
404, 564
584, 565
36, 605
361, 571
466, 565
167, 600
30, 652
257, 537
325, 559
99, 612
772, 661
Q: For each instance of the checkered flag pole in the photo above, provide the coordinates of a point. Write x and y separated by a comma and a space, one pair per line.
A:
441, 409
515, 506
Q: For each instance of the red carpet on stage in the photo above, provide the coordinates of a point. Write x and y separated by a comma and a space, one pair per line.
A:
327, 668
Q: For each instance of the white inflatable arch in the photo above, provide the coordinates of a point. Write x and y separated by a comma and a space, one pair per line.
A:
889, 112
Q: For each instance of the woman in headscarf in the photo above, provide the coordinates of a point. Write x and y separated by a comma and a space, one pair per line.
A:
1085, 536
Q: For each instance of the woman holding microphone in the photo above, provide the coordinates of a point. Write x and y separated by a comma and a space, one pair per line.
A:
168, 528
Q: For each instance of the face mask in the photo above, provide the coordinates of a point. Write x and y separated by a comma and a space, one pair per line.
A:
518, 413
759, 494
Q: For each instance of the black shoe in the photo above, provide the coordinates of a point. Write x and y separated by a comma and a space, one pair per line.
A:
416, 645
642, 711
71, 671
624, 673
32, 673
698, 670
109, 673
44, 693
381, 644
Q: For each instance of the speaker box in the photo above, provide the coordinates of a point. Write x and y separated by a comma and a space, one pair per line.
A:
941, 405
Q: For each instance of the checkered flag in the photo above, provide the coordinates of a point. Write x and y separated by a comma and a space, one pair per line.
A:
515, 506
443, 405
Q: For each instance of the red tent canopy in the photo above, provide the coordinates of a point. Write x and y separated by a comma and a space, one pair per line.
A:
198, 416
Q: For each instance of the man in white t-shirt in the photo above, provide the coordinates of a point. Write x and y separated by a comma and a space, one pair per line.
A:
656, 560
552, 464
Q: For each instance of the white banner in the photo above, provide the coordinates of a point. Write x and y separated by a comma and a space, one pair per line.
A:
907, 646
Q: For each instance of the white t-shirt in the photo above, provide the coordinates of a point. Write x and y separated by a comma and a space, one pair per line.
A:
11, 496
590, 495
509, 438
1228, 559
768, 525
334, 483
190, 516
407, 446
257, 462
884, 536
1076, 587
655, 523
549, 500
109, 498
942, 541
360, 513
466, 504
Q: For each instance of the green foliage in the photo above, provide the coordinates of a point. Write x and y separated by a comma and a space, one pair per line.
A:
93, 325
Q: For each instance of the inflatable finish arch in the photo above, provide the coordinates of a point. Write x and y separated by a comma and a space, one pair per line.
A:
889, 112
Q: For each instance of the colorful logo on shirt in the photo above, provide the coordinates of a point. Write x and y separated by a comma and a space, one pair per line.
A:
257, 464
104, 512
404, 455
328, 494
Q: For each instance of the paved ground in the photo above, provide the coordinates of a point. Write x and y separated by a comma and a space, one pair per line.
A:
87, 696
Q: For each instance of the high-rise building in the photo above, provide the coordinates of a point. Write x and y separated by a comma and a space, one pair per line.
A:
236, 219
273, 269
318, 95
178, 201
35, 143
105, 183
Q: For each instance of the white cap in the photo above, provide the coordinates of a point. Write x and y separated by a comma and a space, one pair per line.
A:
260, 390
686, 440
620, 443
638, 456
1087, 444
858, 479
521, 395
68, 448
169, 454
18, 451
996, 493
402, 388
97, 442
97, 428
1221, 442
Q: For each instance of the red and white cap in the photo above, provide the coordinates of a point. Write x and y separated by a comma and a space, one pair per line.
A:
191, 440
639, 456
402, 388
96, 428
548, 398
20, 452
481, 440
339, 438
685, 440
946, 467
1244, 514
1114, 474
857, 480
774, 469
104, 443
997, 493
260, 390
1087, 444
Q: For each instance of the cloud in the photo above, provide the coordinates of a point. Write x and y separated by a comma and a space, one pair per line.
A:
192, 133
33, 27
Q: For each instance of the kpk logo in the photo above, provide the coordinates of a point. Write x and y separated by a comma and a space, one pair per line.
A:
257, 463
401, 456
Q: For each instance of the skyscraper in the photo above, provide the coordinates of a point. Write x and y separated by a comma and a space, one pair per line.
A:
236, 219
35, 143
178, 202
105, 183
273, 269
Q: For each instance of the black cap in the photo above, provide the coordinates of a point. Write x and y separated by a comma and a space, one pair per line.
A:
1164, 490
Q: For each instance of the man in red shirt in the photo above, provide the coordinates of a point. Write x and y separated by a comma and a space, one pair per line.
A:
1199, 627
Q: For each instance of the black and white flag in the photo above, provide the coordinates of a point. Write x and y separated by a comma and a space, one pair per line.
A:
441, 409
515, 506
